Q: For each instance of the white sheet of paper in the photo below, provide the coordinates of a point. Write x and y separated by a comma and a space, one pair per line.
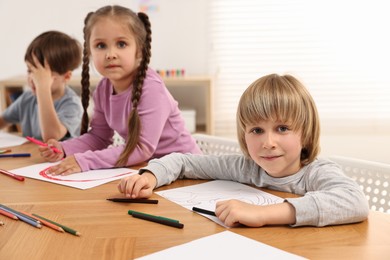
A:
7, 140
206, 195
225, 245
83, 180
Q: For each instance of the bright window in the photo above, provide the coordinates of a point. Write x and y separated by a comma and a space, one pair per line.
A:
339, 49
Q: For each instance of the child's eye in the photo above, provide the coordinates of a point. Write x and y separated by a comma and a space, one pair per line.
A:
100, 45
256, 130
122, 44
283, 128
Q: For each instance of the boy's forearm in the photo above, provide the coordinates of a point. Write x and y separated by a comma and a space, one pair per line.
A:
51, 126
280, 214
3, 123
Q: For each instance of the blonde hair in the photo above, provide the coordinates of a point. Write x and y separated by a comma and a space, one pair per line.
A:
280, 98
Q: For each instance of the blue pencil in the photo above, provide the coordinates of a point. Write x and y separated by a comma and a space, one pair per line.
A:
15, 155
22, 217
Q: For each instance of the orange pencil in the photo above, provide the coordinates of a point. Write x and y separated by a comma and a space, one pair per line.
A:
8, 214
44, 222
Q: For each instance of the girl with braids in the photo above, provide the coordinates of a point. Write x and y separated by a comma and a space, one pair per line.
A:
131, 99
278, 131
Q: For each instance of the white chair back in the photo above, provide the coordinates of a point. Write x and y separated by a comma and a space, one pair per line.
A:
373, 178
216, 145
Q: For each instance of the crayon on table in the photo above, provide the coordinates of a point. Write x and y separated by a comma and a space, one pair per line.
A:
128, 200
157, 219
204, 211
65, 228
12, 175
131, 212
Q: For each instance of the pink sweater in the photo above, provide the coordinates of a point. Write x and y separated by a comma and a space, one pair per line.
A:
163, 130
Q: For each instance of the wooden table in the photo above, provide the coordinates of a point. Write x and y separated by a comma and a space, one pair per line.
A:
108, 232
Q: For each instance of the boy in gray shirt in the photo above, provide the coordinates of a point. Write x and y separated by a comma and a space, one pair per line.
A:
278, 131
51, 109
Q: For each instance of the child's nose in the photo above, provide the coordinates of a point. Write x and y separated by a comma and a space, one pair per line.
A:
110, 54
269, 141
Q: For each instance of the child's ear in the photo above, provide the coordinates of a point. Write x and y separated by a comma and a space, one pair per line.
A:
68, 75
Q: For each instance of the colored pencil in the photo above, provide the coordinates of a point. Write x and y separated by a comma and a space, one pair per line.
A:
157, 219
5, 151
16, 213
7, 155
12, 175
65, 228
35, 141
128, 200
204, 211
23, 217
8, 214
46, 223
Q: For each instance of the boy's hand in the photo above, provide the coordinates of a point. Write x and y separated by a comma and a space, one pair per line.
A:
42, 77
138, 186
68, 166
235, 212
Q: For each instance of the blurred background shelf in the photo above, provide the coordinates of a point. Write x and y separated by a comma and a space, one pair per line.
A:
194, 94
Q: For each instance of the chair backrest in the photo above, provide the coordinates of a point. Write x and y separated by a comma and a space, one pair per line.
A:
216, 145
373, 178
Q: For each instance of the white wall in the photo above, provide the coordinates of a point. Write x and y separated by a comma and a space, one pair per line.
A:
179, 31
179, 36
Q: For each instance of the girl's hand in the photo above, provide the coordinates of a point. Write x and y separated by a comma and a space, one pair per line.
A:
68, 166
235, 212
48, 154
138, 186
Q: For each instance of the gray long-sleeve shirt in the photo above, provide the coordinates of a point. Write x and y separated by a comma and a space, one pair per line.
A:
329, 197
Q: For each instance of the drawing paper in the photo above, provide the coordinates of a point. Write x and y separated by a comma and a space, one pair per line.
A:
83, 180
8, 140
206, 195
224, 245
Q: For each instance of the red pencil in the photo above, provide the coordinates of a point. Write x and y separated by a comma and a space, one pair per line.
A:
8, 214
44, 222
12, 175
